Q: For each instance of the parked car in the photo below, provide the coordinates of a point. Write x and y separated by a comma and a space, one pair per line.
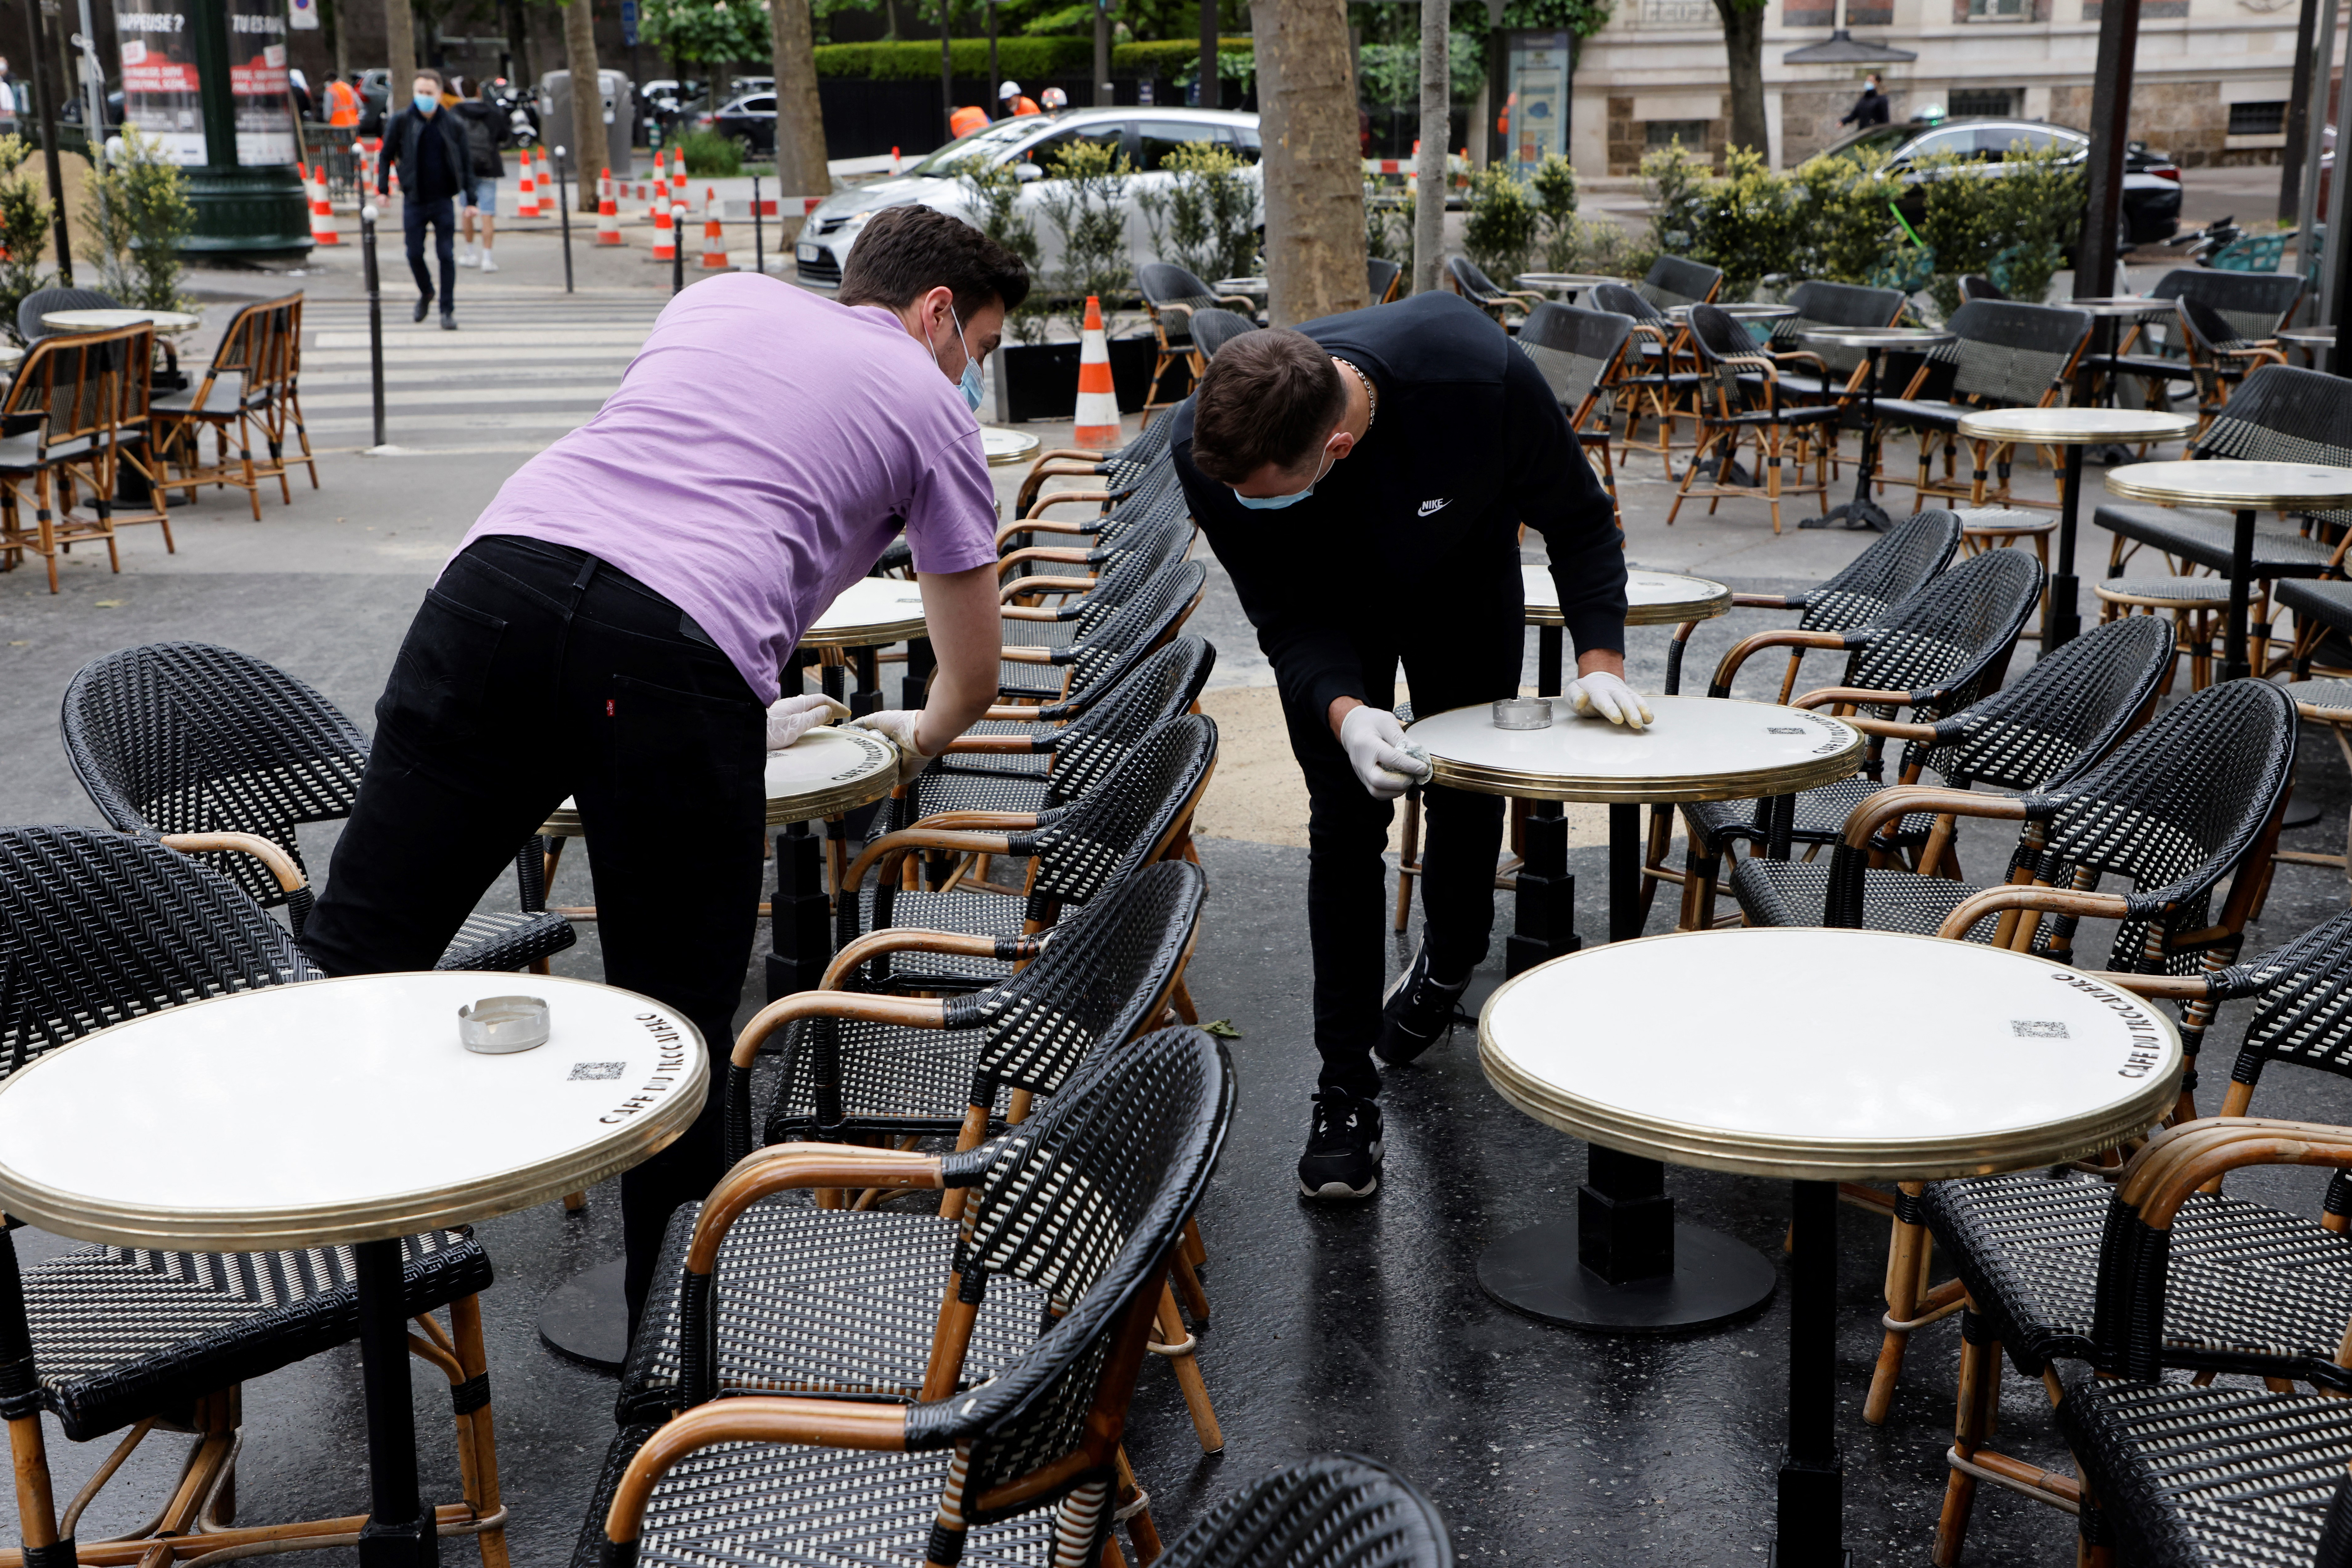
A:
1028, 142
750, 118
2151, 202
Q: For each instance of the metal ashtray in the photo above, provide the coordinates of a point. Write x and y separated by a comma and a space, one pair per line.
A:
1523, 713
497, 1026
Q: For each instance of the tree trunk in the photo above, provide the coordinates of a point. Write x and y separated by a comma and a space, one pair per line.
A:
1103, 98
800, 115
1743, 45
330, 19
588, 149
1211, 82
400, 55
1313, 167
519, 47
1436, 94
947, 76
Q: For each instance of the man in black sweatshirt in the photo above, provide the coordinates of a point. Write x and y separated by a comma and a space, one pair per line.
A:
428, 147
1363, 480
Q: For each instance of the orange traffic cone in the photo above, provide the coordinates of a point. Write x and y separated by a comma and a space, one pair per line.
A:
894, 170
527, 204
665, 236
546, 184
661, 177
322, 217
1098, 401
677, 176
714, 233
608, 212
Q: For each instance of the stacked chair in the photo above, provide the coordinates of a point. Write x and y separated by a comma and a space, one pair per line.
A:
1579, 353
2003, 355
1673, 281
1118, 471
1656, 378
1174, 297
75, 411
1743, 403
2239, 308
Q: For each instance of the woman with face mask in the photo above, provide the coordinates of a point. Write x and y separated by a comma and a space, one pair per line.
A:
619, 627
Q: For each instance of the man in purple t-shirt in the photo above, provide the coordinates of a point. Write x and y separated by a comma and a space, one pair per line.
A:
619, 622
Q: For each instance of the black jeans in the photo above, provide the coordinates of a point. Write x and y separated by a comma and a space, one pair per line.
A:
442, 217
533, 671
1472, 654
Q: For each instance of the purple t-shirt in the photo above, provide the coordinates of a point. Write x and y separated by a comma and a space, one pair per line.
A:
762, 451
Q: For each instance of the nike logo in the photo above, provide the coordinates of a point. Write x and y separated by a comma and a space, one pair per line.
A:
1440, 504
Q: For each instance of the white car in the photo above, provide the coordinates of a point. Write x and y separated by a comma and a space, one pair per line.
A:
1028, 141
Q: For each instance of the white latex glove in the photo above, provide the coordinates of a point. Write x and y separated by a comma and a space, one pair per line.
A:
1603, 695
1376, 748
790, 718
898, 725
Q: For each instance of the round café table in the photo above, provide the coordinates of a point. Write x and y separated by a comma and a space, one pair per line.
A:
344, 1112
1819, 1057
2312, 341
1629, 1267
867, 616
112, 320
1254, 286
2073, 428
1570, 284
2110, 312
1003, 445
2243, 488
1651, 599
1862, 512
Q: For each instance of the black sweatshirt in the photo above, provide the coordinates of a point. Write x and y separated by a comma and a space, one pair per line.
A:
1466, 443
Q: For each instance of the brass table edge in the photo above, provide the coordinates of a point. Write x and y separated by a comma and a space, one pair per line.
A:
1657, 789
2177, 426
869, 634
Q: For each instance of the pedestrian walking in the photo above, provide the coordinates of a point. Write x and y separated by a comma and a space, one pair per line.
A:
1364, 479
427, 143
486, 132
619, 630
344, 101
7, 99
1870, 109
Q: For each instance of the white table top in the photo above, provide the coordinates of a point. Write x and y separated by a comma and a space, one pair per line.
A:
10, 354
2253, 486
1876, 337
1742, 312
2120, 305
338, 1111
1815, 1055
1003, 445
1240, 286
872, 612
1651, 598
2310, 337
1699, 748
1564, 280
830, 770
114, 321
2076, 426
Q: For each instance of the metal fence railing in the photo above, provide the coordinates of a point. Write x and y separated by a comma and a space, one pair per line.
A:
336, 147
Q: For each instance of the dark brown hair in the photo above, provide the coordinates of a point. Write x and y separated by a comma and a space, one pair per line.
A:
424, 73
907, 251
1269, 396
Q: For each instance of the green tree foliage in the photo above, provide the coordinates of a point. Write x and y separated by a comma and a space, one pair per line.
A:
1502, 223
1852, 225
24, 231
708, 154
1512, 223
993, 202
1387, 223
1830, 218
1206, 220
136, 204
1082, 196
2013, 227
1391, 73
712, 32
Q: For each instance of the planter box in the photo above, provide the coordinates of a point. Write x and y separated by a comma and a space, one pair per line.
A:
1040, 381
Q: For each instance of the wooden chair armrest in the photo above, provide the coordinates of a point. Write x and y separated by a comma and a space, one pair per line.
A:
755, 1418
2020, 895
1017, 713
905, 1012
1890, 729
993, 746
2196, 1153
1061, 555
1779, 636
1759, 601
1532, 298
1248, 306
1069, 498
1020, 653
1034, 524
1819, 362
1828, 695
785, 1167
1027, 612
1023, 587
1068, 455
981, 821
281, 865
1760, 361
1899, 801
911, 939
891, 846
2156, 987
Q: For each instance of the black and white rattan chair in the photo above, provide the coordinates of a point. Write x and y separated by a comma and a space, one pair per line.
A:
1655, 378
1674, 280
1073, 1215
1116, 570
1743, 402
1334, 1510
1898, 564
1153, 612
2005, 355
2254, 305
1579, 353
1118, 471
1489, 296
1174, 297
98, 927
183, 737
1213, 329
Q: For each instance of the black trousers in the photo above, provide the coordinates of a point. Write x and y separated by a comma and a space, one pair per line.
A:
1467, 649
533, 671
441, 216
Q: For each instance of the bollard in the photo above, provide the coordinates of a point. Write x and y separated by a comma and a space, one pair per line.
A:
564, 210
759, 241
676, 251
375, 313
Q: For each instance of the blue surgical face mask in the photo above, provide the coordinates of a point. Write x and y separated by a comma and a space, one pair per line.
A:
1276, 503
425, 102
968, 383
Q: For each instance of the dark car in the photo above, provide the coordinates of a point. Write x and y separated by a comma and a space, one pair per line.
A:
750, 118
2151, 205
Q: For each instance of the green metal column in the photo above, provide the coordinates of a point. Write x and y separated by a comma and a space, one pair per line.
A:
241, 210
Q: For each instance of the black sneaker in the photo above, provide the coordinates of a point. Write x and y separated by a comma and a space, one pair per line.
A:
1417, 1012
1343, 1148
423, 306
448, 320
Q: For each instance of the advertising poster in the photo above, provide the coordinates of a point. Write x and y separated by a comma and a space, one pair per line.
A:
159, 77
257, 82
1539, 64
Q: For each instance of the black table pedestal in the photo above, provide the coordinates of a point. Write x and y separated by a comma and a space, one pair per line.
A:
1860, 511
2062, 622
400, 1531
799, 934
2235, 663
1813, 1476
587, 1317
1623, 1265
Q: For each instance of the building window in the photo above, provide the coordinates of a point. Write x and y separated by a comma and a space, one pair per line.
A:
1691, 134
1997, 101
2258, 119
1996, 11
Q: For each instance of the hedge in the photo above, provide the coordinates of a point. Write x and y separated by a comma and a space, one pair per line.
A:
1018, 58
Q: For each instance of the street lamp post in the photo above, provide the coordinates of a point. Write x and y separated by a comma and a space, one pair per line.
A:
375, 313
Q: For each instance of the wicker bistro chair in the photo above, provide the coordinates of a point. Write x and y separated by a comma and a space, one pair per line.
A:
2005, 355
1934, 654
1156, 496
1157, 609
42, 301
2255, 305
251, 385
1119, 471
1828, 305
96, 928
1213, 329
1731, 411
2251, 1288
1896, 565
1140, 812
1123, 566
1174, 297
1383, 280
1656, 377
902, 1067
1334, 1510
1579, 353
75, 411
1672, 280
1486, 294
1073, 1213
2219, 357
1977, 286
183, 737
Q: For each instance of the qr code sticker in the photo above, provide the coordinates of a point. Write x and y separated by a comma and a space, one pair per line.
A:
589, 1071
1784, 730
2039, 1029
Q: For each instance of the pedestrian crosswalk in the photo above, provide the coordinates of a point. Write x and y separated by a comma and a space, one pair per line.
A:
522, 368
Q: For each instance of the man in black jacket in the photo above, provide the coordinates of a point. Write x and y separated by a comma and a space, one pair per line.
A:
1363, 480
1870, 109
429, 148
